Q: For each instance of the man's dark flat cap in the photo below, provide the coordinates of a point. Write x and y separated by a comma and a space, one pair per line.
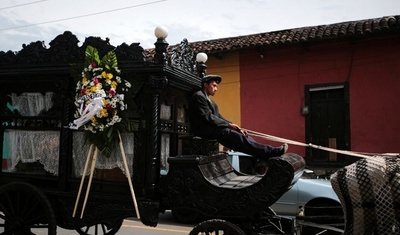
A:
209, 78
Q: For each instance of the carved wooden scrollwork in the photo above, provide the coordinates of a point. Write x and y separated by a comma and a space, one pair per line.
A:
64, 49
182, 56
133, 52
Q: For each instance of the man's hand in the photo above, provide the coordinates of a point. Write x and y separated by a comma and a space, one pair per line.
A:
236, 127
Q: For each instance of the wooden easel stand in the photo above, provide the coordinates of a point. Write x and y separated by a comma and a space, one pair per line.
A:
93, 158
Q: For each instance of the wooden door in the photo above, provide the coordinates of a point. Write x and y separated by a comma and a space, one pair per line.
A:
327, 123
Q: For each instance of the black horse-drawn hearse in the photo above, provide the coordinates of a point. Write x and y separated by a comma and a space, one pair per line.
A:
43, 159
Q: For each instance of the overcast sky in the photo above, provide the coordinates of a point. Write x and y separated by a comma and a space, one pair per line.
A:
26, 21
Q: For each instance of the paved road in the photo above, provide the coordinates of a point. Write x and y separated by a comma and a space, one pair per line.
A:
166, 226
133, 226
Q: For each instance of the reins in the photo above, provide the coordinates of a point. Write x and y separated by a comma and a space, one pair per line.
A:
310, 145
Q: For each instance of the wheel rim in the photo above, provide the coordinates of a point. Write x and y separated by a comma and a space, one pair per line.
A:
100, 229
25, 209
216, 227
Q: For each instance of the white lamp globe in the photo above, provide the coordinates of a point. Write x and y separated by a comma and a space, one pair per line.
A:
161, 32
201, 57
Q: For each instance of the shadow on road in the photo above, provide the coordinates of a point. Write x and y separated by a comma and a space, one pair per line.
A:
167, 219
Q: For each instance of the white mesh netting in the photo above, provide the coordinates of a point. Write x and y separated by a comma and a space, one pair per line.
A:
369, 191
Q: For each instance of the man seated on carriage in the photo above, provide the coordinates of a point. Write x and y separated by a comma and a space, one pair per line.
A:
208, 123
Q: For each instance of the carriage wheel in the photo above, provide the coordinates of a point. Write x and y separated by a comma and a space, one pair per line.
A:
24, 209
100, 229
216, 226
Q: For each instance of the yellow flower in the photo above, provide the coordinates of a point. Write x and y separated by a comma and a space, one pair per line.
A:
105, 102
94, 120
93, 89
114, 84
84, 80
104, 113
107, 75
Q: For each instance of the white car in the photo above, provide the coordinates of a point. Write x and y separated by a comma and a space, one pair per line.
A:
307, 195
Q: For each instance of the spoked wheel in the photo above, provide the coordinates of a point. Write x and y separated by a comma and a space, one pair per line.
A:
100, 229
24, 209
216, 227
269, 221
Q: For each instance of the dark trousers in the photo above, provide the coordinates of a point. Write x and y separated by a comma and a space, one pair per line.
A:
236, 141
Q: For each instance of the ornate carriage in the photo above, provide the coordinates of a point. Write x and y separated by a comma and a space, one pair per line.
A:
43, 159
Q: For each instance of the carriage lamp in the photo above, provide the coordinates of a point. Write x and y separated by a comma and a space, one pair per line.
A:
161, 45
161, 32
201, 59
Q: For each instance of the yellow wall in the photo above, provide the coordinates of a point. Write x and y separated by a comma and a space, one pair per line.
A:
228, 94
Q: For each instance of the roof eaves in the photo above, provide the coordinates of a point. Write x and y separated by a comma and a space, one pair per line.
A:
299, 35
303, 34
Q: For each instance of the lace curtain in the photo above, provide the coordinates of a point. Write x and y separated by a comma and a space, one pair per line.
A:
165, 150
31, 104
32, 146
43, 146
81, 148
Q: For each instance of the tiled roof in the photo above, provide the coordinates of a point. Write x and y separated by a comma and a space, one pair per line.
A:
298, 35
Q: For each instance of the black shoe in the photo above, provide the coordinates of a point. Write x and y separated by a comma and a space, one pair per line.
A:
283, 149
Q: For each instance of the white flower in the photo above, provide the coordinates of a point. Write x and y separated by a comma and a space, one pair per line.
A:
89, 128
102, 92
98, 114
78, 86
97, 69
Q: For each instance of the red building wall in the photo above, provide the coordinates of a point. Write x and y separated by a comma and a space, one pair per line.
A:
375, 100
272, 89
